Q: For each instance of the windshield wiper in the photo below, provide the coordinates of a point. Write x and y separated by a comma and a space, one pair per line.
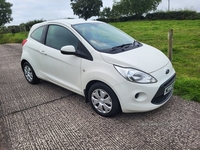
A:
121, 46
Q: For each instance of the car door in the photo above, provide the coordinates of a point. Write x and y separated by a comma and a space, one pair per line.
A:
58, 68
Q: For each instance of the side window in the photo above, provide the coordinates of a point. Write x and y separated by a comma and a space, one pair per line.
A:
58, 36
37, 34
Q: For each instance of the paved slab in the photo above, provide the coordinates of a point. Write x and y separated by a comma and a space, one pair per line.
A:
45, 116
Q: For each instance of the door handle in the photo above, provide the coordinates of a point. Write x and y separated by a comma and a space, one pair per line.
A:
43, 52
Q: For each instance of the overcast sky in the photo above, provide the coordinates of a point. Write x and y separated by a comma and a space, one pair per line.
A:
28, 10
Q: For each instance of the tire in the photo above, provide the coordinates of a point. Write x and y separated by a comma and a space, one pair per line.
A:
103, 100
30, 74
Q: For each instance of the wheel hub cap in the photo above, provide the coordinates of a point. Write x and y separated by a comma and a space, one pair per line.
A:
102, 101
28, 73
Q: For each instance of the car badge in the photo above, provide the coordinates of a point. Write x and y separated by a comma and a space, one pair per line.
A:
167, 71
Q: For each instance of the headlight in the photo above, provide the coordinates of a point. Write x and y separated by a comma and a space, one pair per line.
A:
135, 75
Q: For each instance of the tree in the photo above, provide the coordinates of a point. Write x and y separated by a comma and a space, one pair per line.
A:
136, 7
5, 12
86, 8
105, 13
116, 10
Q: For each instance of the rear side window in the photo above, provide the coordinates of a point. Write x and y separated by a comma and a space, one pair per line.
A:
37, 34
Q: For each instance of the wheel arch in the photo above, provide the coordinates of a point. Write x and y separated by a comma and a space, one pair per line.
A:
22, 62
89, 84
116, 106
33, 65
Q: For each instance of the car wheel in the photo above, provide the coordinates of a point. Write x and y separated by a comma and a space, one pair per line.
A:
30, 74
103, 100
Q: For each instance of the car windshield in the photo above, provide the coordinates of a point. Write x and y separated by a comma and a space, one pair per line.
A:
103, 37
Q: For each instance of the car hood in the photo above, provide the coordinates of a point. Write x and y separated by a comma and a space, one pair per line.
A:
145, 58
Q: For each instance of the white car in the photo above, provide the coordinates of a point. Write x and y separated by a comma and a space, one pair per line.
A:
94, 59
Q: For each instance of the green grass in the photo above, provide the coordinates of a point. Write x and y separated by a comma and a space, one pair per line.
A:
13, 38
186, 48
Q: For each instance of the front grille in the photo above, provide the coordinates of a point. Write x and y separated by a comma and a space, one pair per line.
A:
159, 97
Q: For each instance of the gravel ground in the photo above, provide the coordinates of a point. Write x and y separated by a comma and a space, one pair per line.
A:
45, 116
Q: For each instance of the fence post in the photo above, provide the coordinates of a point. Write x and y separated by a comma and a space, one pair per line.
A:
170, 45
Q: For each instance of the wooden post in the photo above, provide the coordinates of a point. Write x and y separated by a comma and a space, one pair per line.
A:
170, 39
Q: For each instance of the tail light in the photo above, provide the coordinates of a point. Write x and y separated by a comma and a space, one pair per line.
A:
24, 41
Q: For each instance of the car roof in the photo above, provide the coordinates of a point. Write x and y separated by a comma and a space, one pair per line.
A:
71, 21
67, 22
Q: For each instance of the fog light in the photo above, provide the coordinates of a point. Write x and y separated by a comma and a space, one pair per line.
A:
136, 95
140, 96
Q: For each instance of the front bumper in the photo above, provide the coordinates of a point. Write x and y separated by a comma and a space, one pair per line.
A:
134, 97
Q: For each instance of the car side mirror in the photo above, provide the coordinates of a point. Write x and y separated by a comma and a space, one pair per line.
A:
68, 50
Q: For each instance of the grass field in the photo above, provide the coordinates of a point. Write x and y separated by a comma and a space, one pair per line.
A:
186, 48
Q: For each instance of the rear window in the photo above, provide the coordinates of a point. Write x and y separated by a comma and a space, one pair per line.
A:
37, 34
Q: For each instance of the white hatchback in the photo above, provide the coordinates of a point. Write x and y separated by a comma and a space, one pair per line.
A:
94, 59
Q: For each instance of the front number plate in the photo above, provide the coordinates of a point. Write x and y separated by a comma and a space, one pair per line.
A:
168, 89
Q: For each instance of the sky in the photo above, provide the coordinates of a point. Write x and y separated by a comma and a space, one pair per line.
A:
28, 10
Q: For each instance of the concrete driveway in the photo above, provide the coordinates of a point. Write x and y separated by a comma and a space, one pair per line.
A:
45, 116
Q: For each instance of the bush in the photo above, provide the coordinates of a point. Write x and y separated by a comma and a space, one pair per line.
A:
173, 15
122, 19
29, 24
13, 31
160, 15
